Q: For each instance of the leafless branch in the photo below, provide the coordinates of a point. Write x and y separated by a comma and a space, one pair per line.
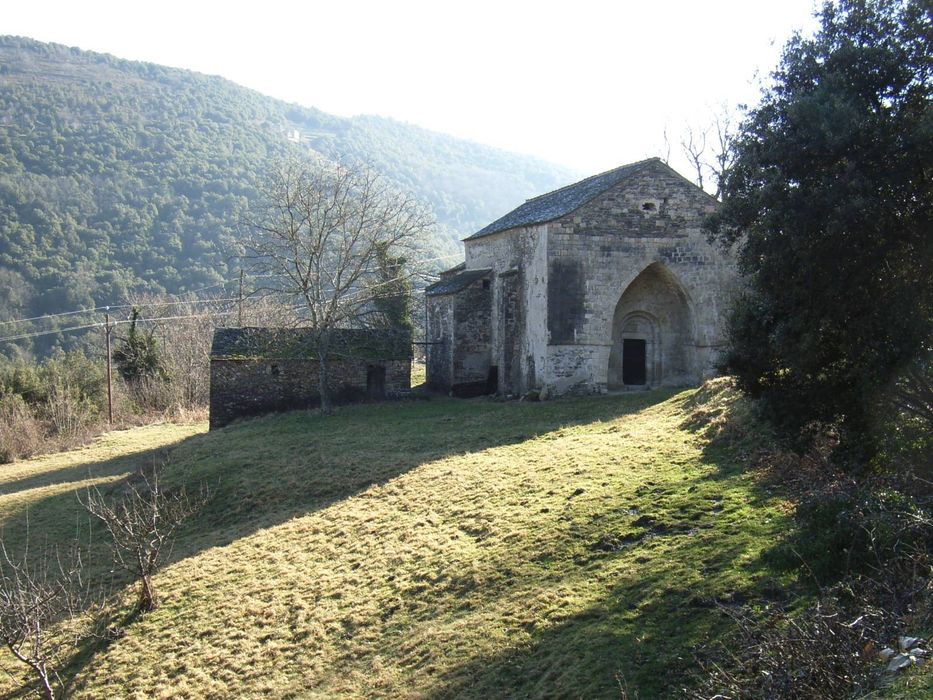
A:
41, 604
142, 525
321, 234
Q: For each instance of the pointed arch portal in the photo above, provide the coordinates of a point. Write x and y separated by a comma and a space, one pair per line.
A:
652, 333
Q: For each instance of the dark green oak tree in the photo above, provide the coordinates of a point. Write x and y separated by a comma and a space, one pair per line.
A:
831, 193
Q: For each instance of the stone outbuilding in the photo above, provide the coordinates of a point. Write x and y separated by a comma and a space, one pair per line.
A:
265, 370
609, 283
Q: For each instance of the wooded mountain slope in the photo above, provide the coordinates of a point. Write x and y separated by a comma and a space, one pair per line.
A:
119, 176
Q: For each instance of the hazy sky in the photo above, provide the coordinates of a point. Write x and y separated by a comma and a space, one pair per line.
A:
586, 84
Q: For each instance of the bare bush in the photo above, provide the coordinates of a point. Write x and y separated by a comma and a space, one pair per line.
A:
70, 416
827, 651
185, 333
42, 606
831, 648
20, 431
142, 525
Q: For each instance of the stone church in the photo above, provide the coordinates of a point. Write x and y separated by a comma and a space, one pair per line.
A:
609, 283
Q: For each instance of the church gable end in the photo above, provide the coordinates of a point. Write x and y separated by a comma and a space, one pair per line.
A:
651, 202
609, 283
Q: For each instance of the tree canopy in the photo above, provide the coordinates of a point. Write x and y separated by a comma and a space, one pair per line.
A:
831, 191
137, 355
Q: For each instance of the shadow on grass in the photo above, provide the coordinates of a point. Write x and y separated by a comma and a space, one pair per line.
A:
641, 635
629, 638
266, 471
80, 472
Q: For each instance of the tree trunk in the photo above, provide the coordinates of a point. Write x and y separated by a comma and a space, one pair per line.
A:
147, 599
323, 382
47, 689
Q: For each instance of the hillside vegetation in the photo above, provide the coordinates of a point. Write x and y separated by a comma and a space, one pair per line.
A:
119, 177
438, 548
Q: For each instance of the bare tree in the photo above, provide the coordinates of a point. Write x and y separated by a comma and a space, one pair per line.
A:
41, 606
665, 146
724, 157
142, 525
184, 328
694, 148
323, 234
709, 150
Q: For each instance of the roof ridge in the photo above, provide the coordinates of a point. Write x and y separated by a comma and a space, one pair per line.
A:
593, 177
564, 200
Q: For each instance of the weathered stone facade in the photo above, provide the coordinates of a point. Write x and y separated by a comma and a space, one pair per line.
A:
609, 283
259, 370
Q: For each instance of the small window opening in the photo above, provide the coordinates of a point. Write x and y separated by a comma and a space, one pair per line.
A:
485, 284
274, 370
649, 206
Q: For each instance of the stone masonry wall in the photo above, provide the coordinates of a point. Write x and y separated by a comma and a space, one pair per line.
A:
595, 253
511, 313
242, 388
472, 336
521, 251
440, 359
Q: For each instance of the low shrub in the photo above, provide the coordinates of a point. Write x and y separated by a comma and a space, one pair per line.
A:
830, 649
21, 433
846, 527
827, 651
70, 416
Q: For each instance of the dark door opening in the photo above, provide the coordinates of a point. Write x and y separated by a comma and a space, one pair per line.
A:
376, 382
634, 370
492, 380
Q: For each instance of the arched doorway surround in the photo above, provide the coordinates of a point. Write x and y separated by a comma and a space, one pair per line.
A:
652, 333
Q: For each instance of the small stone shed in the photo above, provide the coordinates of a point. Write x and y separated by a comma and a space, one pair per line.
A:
265, 370
608, 283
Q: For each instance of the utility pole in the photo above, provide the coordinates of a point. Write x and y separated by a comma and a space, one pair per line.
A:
107, 330
239, 318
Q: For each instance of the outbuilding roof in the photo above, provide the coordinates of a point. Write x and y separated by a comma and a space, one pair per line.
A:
558, 203
298, 343
454, 283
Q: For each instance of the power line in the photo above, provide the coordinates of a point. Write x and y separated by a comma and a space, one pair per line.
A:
140, 305
24, 336
98, 309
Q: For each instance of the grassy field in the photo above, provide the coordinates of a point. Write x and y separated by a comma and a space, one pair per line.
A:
437, 548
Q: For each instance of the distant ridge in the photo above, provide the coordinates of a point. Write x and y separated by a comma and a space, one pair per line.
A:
120, 177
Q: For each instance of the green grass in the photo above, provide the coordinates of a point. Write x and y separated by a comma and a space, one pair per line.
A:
437, 548
419, 373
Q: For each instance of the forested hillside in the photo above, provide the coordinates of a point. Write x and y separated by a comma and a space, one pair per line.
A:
118, 177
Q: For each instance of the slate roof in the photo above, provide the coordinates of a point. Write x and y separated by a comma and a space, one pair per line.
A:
295, 343
454, 283
558, 203
456, 268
